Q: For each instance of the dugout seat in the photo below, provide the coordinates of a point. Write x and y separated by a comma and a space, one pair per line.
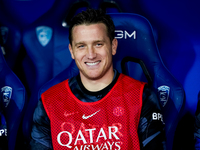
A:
128, 6
46, 43
47, 55
136, 40
95, 4
110, 7
48, 36
71, 71
24, 12
113, 6
12, 102
10, 40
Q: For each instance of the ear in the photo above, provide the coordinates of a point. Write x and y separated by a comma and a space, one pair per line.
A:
114, 46
71, 51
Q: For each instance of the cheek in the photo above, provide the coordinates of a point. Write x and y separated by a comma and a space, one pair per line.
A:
106, 55
78, 57
109, 54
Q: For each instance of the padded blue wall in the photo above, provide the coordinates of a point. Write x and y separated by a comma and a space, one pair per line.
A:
177, 24
24, 12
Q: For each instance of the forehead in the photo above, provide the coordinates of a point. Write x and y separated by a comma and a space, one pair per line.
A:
86, 31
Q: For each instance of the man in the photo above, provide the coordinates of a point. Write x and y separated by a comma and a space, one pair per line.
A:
100, 108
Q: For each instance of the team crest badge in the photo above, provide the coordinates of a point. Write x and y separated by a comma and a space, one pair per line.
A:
118, 111
6, 95
4, 34
163, 93
44, 34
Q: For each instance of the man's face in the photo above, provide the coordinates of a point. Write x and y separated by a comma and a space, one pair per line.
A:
92, 50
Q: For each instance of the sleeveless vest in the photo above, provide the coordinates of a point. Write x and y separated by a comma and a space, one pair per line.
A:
108, 124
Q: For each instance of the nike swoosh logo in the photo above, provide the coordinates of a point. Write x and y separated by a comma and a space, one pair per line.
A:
86, 117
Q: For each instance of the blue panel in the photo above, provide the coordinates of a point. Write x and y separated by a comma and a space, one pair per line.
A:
24, 12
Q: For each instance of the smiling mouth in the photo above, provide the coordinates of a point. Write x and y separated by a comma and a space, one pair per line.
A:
93, 63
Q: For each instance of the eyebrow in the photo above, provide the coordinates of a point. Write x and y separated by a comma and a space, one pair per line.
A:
82, 42
79, 43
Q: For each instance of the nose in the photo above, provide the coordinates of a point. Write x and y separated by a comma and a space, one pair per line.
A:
91, 53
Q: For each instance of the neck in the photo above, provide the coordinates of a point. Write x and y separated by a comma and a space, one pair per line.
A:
94, 85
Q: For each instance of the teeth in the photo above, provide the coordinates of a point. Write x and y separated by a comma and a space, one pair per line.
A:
92, 63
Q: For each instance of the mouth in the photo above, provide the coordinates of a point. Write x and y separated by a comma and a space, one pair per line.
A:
92, 63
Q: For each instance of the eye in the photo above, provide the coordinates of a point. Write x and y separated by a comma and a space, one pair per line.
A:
99, 44
81, 46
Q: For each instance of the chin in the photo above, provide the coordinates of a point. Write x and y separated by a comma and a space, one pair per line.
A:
93, 76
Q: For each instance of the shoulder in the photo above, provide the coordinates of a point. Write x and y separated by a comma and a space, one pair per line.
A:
127, 78
57, 87
129, 82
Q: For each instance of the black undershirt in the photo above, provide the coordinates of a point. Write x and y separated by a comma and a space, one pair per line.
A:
84, 95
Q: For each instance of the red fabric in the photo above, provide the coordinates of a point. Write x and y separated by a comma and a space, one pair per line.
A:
110, 123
